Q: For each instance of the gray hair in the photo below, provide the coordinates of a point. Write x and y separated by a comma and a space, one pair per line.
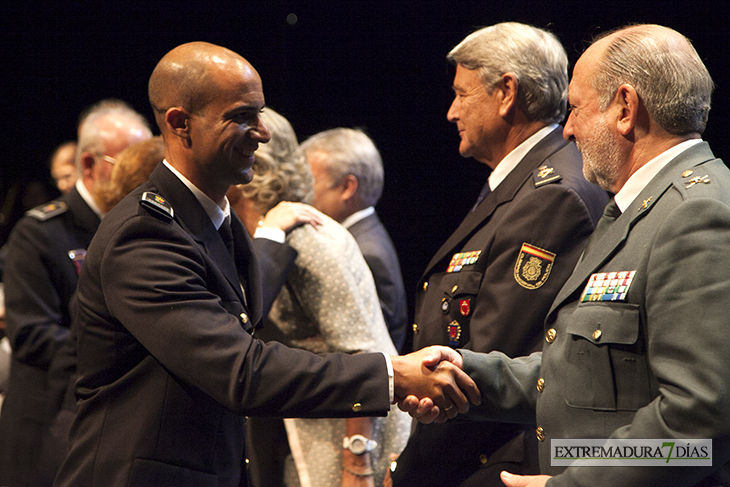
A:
90, 131
536, 58
664, 69
281, 172
350, 151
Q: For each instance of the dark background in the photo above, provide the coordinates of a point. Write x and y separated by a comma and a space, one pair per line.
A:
372, 64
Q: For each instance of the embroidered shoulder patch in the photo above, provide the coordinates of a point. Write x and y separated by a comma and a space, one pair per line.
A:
47, 211
158, 204
533, 266
545, 175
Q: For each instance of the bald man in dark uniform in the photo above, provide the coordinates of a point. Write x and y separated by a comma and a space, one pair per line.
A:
170, 294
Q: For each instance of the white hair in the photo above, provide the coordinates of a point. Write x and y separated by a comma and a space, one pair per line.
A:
536, 58
90, 132
350, 152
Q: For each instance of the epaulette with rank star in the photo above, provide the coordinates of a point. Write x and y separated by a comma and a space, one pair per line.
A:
48, 211
545, 175
157, 204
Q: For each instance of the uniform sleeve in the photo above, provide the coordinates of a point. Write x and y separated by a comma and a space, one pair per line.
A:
162, 290
507, 386
512, 302
36, 326
687, 311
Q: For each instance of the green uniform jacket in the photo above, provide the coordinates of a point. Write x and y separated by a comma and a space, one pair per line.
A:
654, 362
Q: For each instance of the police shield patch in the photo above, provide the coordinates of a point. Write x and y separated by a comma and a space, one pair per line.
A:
533, 266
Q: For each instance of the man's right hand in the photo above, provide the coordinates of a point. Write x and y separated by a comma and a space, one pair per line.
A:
430, 385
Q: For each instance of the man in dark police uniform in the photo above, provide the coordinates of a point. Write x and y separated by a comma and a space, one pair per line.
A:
170, 294
45, 253
492, 282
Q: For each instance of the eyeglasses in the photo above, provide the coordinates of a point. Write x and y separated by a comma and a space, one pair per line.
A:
106, 158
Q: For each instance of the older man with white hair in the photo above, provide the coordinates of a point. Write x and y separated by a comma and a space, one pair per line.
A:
634, 344
45, 252
490, 285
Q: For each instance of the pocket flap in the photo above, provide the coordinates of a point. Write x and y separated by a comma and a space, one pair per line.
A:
456, 283
602, 323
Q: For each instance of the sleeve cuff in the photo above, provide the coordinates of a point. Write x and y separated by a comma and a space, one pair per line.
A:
391, 386
275, 234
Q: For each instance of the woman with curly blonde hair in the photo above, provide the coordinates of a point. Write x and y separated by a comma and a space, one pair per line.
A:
328, 304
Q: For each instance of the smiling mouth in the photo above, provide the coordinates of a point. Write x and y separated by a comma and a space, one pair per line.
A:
246, 153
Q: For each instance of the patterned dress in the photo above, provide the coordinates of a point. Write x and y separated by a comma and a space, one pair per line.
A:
329, 304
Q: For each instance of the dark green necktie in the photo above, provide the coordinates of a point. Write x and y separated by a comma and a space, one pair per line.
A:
610, 213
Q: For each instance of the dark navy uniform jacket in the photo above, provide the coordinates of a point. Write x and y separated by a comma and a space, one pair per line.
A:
45, 252
167, 364
489, 287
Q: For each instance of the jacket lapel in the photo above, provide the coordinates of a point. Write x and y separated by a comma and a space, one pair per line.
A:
193, 218
248, 269
603, 250
505, 192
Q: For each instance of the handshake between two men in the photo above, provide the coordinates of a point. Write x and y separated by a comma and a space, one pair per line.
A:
430, 385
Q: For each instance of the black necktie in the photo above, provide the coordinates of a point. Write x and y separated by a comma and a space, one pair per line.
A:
482, 194
227, 235
610, 213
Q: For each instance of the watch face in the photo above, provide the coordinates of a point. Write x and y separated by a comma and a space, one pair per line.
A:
357, 446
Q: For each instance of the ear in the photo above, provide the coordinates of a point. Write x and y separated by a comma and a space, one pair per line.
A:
349, 187
627, 104
87, 161
177, 121
509, 86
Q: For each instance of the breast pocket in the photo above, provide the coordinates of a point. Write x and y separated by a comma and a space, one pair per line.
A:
606, 354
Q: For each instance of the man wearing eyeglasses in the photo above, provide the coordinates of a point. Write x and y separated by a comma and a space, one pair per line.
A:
45, 253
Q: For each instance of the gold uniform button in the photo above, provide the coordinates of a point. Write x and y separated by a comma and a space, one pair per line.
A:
540, 384
550, 335
415, 327
425, 286
357, 407
483, 459
597, 335
687, 173
453, 289
244, 318
540, 433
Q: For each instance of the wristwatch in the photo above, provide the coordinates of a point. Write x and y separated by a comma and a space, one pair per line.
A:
358, 444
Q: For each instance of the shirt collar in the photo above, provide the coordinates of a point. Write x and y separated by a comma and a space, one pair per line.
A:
638, 181
88, 198
216, 214
511, 160
357, 216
